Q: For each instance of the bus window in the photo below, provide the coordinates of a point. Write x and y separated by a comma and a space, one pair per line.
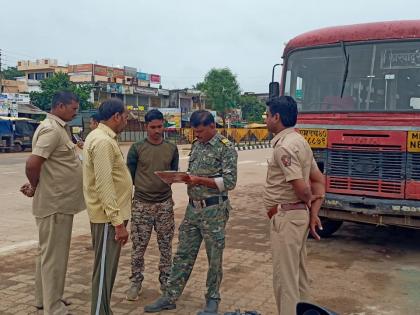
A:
287, 84
380, 77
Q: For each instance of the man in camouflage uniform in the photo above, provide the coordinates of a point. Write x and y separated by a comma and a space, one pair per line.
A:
152, 204
212, 173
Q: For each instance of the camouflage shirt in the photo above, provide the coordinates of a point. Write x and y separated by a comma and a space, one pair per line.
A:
215, 159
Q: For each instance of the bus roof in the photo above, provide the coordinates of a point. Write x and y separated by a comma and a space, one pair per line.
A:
390, 30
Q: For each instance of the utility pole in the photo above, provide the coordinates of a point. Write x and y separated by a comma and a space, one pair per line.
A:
1, 75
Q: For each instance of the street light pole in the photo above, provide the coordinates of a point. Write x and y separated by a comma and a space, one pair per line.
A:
1, 76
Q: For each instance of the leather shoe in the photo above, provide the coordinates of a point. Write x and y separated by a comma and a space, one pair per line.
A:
65, 302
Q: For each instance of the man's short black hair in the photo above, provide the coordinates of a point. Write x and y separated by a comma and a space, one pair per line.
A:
110, 107
95, 117
63, 97
286, 107
153, 114
201, 117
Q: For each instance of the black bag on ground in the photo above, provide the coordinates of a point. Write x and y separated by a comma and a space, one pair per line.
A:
311, 309
238, 312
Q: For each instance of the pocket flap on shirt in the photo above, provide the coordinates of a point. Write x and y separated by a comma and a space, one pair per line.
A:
66, 147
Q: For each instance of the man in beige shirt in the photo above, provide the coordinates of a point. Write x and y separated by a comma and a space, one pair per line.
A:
54, 172
107, 187
293, 196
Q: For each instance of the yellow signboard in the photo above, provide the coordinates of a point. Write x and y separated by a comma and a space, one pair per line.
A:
413, 141
317, 138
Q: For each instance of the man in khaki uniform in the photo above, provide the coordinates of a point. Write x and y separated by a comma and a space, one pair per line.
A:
54, 172
294, 185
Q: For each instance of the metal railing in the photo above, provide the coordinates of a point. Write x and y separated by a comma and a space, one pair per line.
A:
239, 136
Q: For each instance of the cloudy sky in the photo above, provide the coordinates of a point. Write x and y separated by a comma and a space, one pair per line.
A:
179, 39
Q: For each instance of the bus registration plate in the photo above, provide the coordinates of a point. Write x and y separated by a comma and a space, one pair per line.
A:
317, 138
413, 141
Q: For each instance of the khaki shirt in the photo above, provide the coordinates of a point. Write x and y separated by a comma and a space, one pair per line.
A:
292, 159
107, 183
60, 184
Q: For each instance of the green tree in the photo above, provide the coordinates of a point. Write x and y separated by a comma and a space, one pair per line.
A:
199, 86
252, 108
221, 89
12, 73
60, 82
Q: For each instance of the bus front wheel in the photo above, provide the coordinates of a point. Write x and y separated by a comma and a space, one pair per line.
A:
329, 227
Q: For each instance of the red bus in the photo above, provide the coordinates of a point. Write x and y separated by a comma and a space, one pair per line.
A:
358, 92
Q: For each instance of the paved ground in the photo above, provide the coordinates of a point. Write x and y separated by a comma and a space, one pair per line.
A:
361, 270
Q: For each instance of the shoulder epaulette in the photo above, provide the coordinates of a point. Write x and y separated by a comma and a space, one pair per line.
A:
225, 141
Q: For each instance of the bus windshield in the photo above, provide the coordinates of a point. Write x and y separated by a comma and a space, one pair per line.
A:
355, 77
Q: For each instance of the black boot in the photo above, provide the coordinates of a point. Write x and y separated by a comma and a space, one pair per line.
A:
212, 306
161, 304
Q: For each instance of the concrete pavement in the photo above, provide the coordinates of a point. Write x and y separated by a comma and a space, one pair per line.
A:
360, 270
18, 250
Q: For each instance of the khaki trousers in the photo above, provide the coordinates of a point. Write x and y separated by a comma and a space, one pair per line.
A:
107, 254
288, 234
51, 264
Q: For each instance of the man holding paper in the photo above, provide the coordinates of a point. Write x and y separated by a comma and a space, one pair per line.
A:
212, 172
152, 204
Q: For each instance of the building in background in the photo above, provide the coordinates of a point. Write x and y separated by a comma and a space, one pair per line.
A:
262, 97
17, 105
14, 86
40, 69
135, 89
36, 71
187, 101
21, 85
139, 90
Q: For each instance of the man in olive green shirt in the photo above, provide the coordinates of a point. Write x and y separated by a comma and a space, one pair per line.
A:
54, 172
107, 189
152, 205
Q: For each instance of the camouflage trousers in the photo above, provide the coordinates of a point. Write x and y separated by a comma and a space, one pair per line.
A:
206, 224
144, 217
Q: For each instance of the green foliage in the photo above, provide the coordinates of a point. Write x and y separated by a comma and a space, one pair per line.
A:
199, 86
221, 89
12, 73
60, 82
252, 108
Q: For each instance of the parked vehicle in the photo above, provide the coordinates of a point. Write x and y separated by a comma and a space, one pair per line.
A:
16, 133
357, 88
6, 135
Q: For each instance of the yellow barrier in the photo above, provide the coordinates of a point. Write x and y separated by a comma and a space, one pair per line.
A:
236, 135
239, 134
260, 134
188, 134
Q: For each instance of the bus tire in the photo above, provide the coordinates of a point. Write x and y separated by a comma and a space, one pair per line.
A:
329, 227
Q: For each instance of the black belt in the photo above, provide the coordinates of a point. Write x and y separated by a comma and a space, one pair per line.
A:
211, 201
